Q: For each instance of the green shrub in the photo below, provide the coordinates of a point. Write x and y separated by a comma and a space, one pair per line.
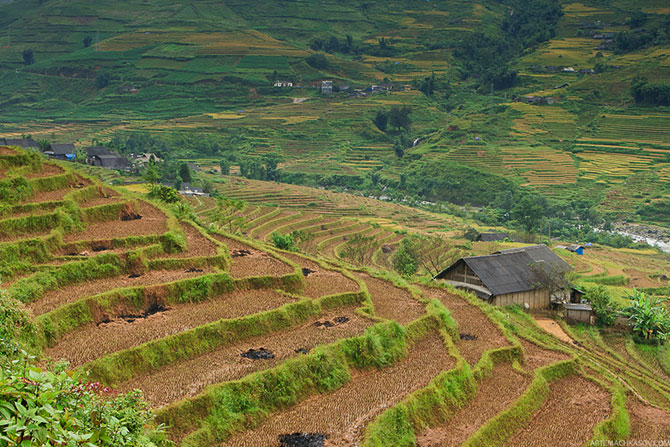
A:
41, 407
649, 316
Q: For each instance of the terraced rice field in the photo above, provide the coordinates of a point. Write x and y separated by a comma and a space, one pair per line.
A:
188, 324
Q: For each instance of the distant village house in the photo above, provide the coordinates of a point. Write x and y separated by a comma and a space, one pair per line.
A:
26, 143
62, 151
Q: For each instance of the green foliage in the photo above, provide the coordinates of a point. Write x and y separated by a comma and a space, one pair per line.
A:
283, 241
15, 189
399, 118
381, 120
41, 407
318, 61
650, 93
381, 345
185, 173
359, 249
164, 193
601, 302
28, 57
471, 234
102, 79
226, 214
648, 315
405, 259
13, 320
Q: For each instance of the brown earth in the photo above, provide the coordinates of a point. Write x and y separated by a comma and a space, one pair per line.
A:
392, 302
67, 294
536, 356
471, 320
640, 279
495, 394
257, 263
648, 423
153, 221
574, 407
352, 407
47, 170
196, 244
188, 378
321, 282
91, 341
4, 150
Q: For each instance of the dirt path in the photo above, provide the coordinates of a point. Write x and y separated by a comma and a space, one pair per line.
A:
153, 221
63, 295
344, 413
91, 342
471, 321
321, 282
574, 407
392, 302
495, 394
188, 378
554, 329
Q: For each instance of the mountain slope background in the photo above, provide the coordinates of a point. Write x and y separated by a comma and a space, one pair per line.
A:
198, 76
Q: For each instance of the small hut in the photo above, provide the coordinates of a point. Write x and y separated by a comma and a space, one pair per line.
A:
578, 313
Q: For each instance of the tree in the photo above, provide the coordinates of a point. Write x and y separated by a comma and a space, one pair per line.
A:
381, 120
431, 253
427, 86
28, 57
399, 117
224, 166
88, 40
102, 79
529, 211
275, 76
405, 259
601, 303
185, 173
471, 234
151, 174
318, 61
178, 182
226, 214
398, 148
359, 250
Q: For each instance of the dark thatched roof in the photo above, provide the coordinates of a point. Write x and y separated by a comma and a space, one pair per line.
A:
97, 150
111, 161
514, 270
62, 149
20, 142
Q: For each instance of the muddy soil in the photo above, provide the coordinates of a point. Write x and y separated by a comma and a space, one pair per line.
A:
496, 393
93, 341
63, 295
188, 378
574, 407
321, 282
153, 222
471, 321
344, 413
392, 302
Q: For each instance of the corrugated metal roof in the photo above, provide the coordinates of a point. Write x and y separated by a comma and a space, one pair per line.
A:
575, 306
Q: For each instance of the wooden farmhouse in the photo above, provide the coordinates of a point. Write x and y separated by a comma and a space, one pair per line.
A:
529, 276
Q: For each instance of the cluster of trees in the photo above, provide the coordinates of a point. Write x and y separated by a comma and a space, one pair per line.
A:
488, 57
318, 61
334, 45
398, 117
261, 168
645, 92
627, 41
